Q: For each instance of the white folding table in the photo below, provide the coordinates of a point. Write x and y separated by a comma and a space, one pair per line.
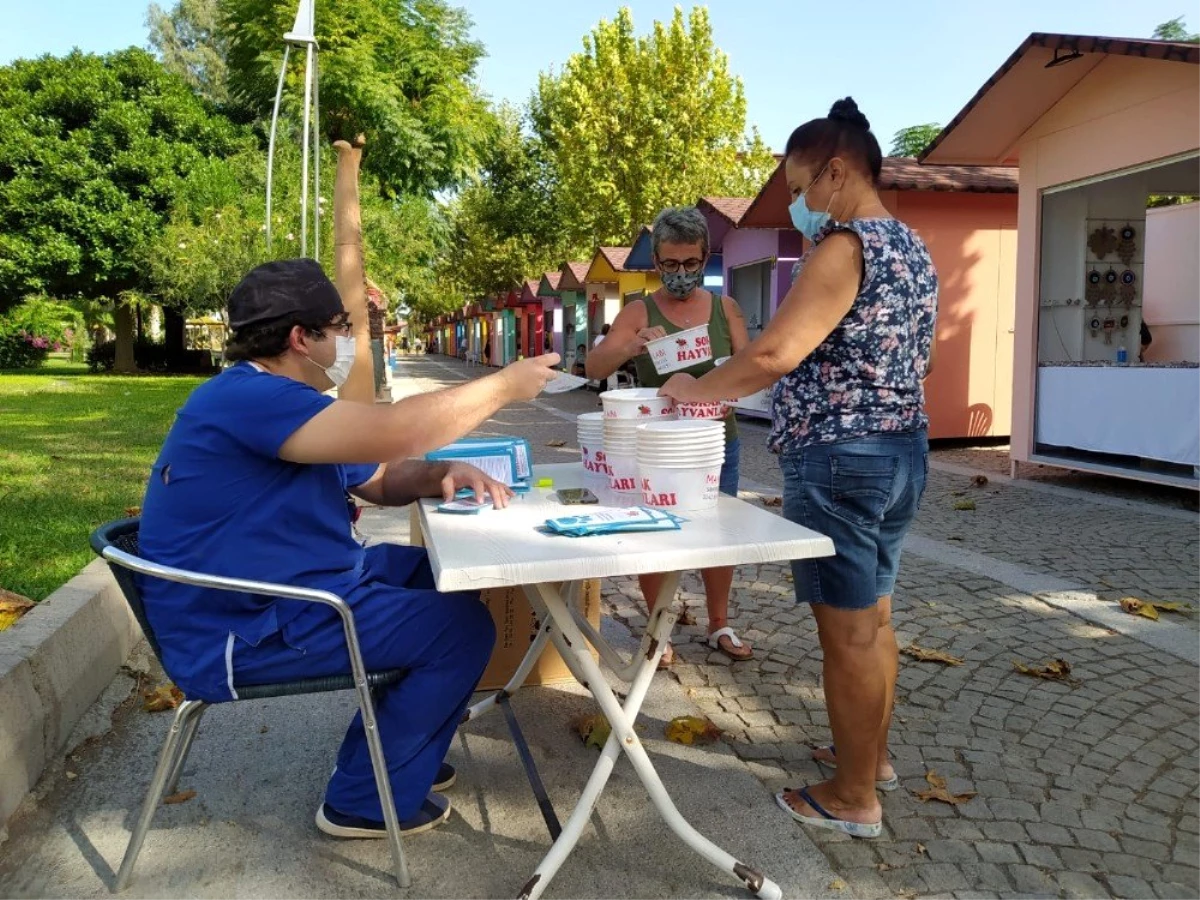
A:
504, 548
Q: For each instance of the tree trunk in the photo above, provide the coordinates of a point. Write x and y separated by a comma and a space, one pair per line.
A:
123, 321
348, 273
173, 335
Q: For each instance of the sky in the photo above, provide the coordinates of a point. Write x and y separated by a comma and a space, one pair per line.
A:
905, 63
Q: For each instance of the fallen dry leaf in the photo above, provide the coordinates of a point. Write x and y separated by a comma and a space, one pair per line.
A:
691, 730
686, 618
938, 791
906, 894
1136, 607
181, 797
921, 850
593, 729
133, 511
772, 501
556, 443
979, 481
162, 698
837, 885
1054, 670
1150, 608
12, 607
884, 867
964, 505
71, 776
924, 655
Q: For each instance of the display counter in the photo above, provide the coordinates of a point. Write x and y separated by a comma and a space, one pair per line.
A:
1150, 411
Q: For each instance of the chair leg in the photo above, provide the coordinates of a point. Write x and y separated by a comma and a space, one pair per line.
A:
189, 735
166, 759
366, 703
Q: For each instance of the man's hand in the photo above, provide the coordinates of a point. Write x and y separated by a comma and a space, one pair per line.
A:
524, 380
679, 387
460, 475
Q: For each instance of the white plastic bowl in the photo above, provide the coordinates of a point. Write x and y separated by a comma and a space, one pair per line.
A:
708, 410
680, 350
681, 489
623, 476
637, 403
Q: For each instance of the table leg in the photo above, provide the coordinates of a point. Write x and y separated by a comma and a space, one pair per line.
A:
623, 739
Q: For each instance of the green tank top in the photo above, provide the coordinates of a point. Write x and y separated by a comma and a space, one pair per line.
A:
718, 336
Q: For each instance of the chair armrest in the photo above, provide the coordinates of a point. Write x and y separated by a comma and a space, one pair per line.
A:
222, 583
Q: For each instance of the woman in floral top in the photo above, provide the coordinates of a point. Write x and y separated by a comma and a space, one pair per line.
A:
847, 351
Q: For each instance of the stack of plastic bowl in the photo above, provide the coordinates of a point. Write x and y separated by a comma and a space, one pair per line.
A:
590, 430
679, 463
624, 410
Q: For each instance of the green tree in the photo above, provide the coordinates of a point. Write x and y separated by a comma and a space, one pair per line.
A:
913, 140
92, 151
505, 226
189, 43
633, 124
400, 72
1175, 30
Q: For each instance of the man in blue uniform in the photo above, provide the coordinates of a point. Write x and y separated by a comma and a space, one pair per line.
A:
253, 482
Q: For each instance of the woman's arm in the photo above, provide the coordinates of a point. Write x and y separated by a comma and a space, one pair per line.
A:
814, 305
621, 344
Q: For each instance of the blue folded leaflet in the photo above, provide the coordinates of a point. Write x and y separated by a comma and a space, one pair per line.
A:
614, 520
506, 459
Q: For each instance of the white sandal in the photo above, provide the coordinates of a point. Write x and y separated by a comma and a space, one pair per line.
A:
714, 641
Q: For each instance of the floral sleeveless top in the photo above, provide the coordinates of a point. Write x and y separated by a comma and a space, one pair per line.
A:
866, 377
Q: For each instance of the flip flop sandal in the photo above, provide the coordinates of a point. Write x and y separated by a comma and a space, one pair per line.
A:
826, 819
714, 641
668, 657
887, 785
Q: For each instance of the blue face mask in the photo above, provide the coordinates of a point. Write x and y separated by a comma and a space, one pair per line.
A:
809, 222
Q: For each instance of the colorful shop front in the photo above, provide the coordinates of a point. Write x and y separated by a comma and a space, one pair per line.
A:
529, 324
967, 216
572, 290
1106, 135
552, 311
606, 278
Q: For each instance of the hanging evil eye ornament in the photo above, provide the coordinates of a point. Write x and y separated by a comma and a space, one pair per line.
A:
1092, 292
1108, 290
1094, 325
1128, 288
1110, 326
1103, 241
1124, 323
1127, 246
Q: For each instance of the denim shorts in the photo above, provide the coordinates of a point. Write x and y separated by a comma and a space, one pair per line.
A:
863, 494
731, 468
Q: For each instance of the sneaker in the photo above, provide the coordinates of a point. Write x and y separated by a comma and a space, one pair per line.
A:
446, 777
433, 812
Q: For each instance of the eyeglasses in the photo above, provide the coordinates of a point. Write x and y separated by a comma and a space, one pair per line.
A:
671, 266
339, 328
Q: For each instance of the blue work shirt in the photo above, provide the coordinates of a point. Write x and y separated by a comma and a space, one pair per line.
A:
221, 501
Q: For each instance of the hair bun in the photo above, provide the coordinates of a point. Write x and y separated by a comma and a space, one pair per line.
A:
846, 110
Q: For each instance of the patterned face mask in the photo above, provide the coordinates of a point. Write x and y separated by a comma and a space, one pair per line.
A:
681, 284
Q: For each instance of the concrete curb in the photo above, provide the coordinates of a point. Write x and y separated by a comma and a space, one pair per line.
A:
54, 662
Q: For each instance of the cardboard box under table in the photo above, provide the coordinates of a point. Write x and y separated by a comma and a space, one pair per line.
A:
516, 625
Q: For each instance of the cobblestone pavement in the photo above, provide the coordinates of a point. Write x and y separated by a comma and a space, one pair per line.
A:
1089, 789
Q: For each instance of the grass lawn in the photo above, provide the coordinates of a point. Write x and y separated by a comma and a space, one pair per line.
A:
75, 450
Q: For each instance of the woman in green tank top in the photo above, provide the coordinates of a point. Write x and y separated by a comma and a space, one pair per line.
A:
679, 240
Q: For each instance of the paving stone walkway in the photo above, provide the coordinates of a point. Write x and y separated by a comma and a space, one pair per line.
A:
1089, 789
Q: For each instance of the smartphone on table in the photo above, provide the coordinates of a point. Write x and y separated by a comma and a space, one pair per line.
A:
573, 496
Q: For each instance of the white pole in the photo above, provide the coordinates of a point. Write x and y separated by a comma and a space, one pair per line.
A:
308, 80
316, 156
271, 140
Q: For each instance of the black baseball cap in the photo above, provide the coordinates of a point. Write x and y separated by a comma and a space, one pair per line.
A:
285, 287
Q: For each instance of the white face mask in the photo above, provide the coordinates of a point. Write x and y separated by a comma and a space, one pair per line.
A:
342, 361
